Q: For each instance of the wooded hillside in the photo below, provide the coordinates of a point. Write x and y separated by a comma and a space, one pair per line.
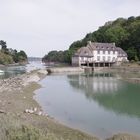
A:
124, 32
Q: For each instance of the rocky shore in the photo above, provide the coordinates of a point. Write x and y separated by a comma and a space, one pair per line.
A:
22, 118
19, 82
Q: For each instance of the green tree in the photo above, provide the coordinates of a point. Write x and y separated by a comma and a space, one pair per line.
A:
9, 56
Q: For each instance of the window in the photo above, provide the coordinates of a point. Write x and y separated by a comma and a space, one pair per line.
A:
103, 58
108, 52
103, 51
113, 52
86, 52
82, 58
108, 58
113, 59
98, 52
98, 58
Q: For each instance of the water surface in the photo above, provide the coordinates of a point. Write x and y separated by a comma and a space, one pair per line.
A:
99, 104
11, 71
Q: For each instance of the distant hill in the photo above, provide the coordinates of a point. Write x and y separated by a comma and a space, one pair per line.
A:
124, 32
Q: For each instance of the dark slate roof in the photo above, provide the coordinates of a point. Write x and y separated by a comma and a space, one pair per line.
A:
87, 51
101, 46
121, 52
84, 51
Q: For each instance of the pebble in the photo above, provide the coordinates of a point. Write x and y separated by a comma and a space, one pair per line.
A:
34, 111
2, 111
40, 113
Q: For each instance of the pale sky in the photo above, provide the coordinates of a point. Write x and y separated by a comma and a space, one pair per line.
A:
39, 26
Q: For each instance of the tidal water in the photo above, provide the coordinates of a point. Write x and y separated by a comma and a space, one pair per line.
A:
11, 71
99, 104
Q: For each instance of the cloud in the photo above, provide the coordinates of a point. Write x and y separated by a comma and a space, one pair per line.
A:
38, 26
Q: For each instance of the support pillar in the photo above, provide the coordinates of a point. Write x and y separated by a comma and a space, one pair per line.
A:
88, 64
93, 65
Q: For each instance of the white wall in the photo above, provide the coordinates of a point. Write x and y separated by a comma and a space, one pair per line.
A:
104, 56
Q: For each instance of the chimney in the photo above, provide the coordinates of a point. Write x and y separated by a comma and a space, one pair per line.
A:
113, 43
89, 42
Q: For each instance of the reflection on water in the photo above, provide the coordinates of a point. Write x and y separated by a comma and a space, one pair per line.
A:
97, 83
100, 104
109, 92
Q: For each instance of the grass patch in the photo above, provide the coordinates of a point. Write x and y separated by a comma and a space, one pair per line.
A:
13, 129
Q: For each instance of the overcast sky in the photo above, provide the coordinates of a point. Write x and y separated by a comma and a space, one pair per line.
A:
39, 26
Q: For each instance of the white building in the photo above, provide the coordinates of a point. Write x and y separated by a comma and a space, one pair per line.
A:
99, 54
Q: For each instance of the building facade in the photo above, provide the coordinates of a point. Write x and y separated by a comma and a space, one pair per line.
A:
99, 55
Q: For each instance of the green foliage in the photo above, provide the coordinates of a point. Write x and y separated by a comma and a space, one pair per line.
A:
9, 56
124, 32
59, 56
5, 59
13, 129
24, 133
54, 56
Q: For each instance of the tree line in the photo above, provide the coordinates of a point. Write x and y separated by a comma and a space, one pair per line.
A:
124, 32
10, 56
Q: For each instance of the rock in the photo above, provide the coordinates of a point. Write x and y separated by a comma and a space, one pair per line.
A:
40, 113
35, 109
31, 111
26, 110
2, 111
124, 137
43, 72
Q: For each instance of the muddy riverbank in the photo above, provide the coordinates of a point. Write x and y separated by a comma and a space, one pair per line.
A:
16, 97
22, 118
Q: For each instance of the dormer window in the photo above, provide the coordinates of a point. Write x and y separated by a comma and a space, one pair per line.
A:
86, 53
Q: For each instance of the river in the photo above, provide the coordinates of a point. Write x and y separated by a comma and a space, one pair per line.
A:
100, 104
11, 71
